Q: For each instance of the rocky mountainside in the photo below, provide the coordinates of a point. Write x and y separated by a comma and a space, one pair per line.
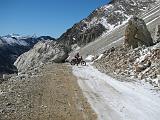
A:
42, 53
104, 19
116, 37
138, 58
11, 46
125, 62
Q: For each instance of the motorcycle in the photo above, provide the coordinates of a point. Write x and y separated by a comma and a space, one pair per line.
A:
78, 61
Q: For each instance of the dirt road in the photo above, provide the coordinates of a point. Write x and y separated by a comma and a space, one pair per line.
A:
52, 95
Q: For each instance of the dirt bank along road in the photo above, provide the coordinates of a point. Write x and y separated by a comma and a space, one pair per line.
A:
52, 95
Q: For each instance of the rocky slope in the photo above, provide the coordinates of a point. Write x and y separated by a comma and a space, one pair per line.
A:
104, 19
137, 58
115, 37
42, 53
11, 46
128, 64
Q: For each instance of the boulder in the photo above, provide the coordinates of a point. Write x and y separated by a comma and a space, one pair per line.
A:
136, 33
142, 66
42, 53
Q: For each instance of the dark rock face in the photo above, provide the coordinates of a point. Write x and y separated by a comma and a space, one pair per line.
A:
46, 38
73, 35
136, 33
8, 54
157, 34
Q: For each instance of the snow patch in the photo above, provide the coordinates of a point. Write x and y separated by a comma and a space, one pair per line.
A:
14, 40
89, 58
108, 6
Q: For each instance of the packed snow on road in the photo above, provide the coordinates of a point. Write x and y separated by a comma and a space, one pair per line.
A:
115, 100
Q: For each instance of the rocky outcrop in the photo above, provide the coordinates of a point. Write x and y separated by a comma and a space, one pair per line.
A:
42, 53
136, 33
72, 36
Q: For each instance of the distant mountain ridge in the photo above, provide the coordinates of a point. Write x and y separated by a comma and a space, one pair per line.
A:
16, 39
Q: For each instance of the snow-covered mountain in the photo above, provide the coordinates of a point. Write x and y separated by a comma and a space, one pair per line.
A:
15, 39
116, 12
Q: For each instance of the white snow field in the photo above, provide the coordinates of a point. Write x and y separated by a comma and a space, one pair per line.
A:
115, 100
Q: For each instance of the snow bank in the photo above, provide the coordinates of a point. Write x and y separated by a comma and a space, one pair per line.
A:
115, 100
99, 57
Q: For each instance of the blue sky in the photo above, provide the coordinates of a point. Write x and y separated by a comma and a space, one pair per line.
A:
43, 17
